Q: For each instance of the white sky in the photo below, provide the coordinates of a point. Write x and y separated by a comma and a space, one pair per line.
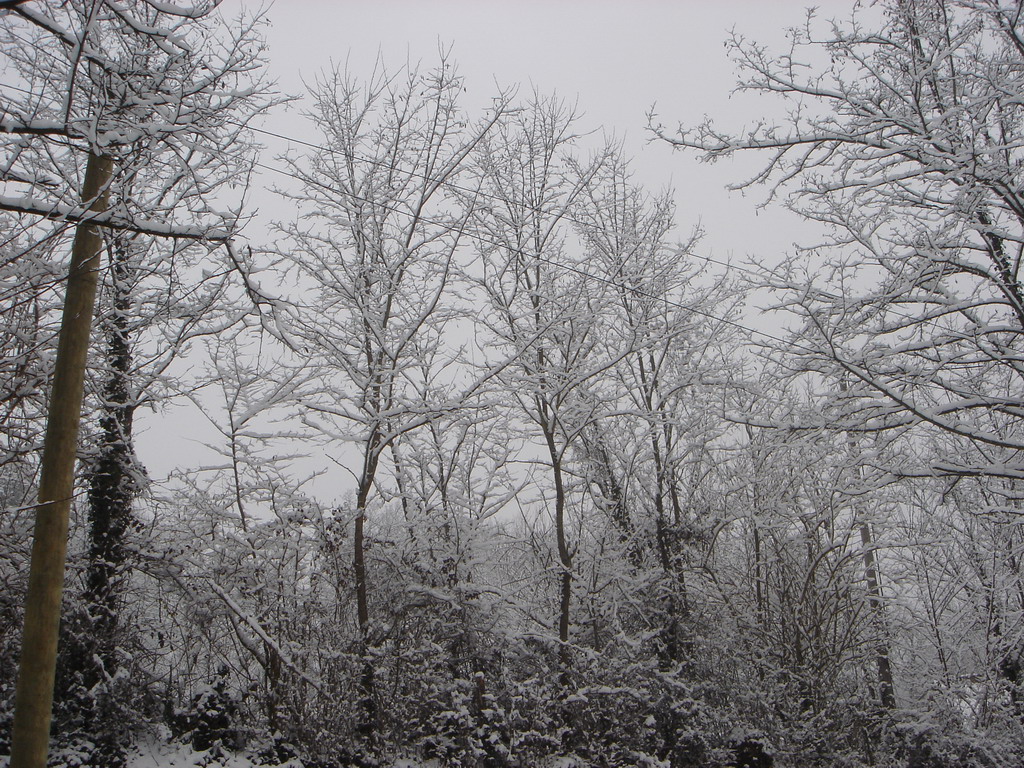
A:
617, 59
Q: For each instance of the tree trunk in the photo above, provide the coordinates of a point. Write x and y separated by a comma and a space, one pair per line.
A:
112, 480
564, 556
91, 648
367, 725
34, 696
886, 689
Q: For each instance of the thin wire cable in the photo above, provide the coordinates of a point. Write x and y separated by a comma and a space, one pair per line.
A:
452, 185
532, 209
466, 190
449, 184
789, 343
586, 275
559, 265
567, 217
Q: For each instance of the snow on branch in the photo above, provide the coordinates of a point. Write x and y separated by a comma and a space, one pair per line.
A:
79, 213
34, 127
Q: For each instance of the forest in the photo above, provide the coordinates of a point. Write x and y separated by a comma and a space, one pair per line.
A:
585, 510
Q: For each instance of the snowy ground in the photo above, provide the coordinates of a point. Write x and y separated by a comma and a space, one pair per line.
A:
160, 755
157, 754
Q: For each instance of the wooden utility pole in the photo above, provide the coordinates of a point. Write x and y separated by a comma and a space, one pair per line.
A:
34, 696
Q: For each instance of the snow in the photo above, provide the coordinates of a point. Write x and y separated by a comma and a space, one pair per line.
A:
155, 753
159, 755
28, 204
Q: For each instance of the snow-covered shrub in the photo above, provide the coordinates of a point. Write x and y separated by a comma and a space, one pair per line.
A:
209, 722
102, 699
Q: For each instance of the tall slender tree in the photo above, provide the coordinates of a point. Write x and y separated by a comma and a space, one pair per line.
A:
542, 313
376, 244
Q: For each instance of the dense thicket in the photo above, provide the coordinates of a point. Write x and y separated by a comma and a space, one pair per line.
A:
577, 510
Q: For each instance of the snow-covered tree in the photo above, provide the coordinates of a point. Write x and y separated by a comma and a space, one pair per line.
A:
903, 139
542, 312
649, 463
116, 89
374, 248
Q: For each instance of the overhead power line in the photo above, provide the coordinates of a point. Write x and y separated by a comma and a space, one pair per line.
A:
532, 209
480, 238
415, 174
559, 265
